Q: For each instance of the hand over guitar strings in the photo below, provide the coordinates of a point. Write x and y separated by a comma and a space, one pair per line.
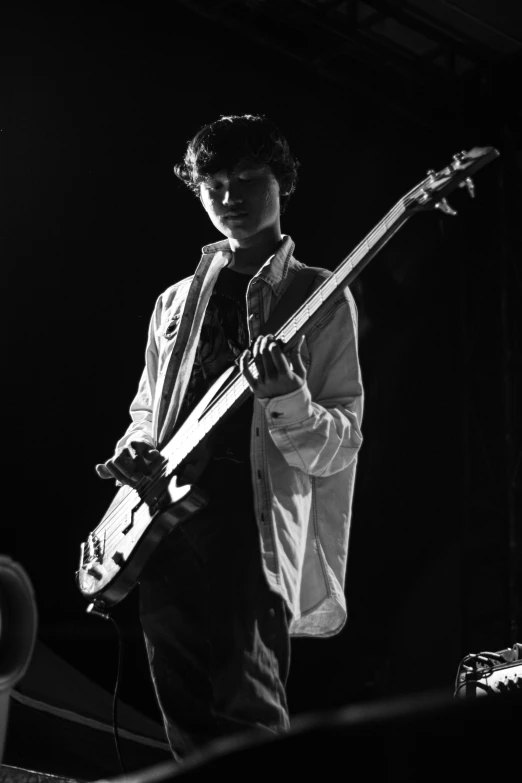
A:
135, 461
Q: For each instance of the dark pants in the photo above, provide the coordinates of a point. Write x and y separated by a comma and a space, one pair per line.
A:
216, 635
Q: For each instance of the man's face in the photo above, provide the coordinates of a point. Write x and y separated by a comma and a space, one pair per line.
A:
243, 202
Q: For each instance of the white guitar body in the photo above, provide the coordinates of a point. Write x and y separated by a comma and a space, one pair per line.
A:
139, 519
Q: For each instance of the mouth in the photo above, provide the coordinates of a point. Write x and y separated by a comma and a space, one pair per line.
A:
235, 215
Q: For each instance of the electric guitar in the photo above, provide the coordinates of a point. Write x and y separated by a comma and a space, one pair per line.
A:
139, 518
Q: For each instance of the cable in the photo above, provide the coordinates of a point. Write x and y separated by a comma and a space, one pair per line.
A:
115, 696
94, 610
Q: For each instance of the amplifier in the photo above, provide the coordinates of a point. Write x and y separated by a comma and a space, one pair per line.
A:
488, 673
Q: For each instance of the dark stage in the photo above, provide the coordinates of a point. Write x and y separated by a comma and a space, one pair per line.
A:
97, 103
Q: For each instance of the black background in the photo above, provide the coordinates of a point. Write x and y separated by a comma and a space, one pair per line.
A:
96, 108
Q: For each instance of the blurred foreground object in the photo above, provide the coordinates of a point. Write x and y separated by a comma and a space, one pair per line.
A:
18, 626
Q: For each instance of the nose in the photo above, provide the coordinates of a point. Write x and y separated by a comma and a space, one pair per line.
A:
232, 196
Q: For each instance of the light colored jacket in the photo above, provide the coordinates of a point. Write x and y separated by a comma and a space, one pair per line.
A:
303, 445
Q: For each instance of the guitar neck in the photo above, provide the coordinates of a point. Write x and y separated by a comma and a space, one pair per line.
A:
346, 272
195, 428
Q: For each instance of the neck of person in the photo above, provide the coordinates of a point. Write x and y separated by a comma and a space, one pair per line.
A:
250, 254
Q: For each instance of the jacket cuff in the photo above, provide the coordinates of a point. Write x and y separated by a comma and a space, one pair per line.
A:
289, 408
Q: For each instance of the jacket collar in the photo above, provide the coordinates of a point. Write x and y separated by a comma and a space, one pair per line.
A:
273, 271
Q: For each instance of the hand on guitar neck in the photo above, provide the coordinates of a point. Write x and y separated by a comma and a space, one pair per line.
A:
130, 465
277, 373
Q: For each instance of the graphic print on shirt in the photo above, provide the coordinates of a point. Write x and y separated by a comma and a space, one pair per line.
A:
224, 335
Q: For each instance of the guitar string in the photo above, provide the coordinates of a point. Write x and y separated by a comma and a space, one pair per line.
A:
130, 500
189, 442
122, 511
112, 522
368, 242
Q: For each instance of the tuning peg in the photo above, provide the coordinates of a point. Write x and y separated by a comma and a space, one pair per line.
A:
469, 185
445, 207
459, 159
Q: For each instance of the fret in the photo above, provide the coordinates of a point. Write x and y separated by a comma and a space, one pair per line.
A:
320, 296
390, 219
327, 289
287, 332
314, 304
378, 232
205, 425
223, 403
301, 317
215, 413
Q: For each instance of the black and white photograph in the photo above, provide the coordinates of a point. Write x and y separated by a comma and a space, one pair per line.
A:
261, 268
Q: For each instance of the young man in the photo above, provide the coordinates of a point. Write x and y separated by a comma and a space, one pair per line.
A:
266, 558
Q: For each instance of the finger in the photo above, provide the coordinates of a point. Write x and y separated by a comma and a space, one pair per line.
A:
243, 367
280, 361
128, 465
141, 447
146, 456
155, 459
111, 471
298, 364
255, 347
270, 369
258, 357
103, 471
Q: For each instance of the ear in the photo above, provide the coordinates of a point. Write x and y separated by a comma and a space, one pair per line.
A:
285, 187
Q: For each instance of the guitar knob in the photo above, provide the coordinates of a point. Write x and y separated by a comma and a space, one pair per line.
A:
469, 185
445, 207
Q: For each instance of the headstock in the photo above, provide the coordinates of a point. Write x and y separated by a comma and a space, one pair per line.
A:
431, 193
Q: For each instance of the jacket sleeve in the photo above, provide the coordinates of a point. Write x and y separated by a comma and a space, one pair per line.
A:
318, 427
142, 405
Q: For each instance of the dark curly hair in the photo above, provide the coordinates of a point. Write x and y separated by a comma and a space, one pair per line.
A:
224, 143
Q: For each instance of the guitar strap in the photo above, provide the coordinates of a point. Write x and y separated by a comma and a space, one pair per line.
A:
294, 296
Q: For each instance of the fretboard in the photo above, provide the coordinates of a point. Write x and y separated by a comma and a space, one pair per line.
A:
237, 390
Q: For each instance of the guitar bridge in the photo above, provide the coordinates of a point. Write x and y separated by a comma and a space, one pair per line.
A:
93, 551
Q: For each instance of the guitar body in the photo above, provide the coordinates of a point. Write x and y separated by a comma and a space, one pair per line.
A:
137, 520
111, 573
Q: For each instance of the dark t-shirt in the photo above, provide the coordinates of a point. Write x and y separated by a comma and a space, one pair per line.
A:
224, 337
